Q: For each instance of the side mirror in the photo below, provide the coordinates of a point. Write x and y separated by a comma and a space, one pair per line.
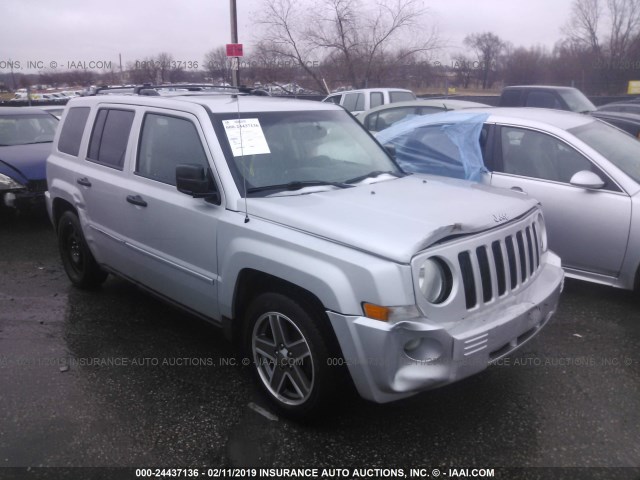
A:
587, 179
391, 150
196, 181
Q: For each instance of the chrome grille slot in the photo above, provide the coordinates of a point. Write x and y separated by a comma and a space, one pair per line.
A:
466, 270
498, 258
490, 271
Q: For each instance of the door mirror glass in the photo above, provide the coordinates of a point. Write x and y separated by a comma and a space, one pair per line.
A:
194, 180
586, 179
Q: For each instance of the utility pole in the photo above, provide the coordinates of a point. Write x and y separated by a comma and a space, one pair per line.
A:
235, 72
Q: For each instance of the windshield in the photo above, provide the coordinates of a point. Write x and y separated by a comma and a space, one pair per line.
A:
27, 129
291, 150
618, 147
576, 101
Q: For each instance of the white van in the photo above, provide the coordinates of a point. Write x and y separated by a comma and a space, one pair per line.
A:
358, 101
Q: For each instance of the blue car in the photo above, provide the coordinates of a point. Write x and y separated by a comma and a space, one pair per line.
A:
26, 136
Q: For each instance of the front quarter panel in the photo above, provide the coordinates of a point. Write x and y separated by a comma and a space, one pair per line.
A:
339, 276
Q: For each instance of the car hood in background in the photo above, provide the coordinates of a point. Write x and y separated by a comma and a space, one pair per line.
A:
27, 161
396, 218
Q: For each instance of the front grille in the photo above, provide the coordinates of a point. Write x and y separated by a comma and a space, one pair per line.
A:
37, 186
491, 271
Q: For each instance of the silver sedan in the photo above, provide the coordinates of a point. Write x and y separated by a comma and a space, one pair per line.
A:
585, 173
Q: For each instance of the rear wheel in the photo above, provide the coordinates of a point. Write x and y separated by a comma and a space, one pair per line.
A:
290, 351
82, 269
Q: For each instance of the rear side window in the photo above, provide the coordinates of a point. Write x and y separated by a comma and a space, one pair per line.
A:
399, 96
72, 130
543, 100
165, 143
333, 99
376, 99
510, 98
110, 136
353, 101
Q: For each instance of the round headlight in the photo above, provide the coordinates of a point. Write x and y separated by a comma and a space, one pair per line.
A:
435, 280
542, 232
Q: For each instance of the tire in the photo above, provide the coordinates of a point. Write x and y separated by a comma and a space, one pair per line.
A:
78, 261
290, 350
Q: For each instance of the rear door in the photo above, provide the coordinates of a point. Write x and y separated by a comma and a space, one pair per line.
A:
102, 179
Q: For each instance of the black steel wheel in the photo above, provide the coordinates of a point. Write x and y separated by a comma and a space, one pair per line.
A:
82, 269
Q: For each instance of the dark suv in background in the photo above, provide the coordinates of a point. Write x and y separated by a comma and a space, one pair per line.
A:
542, 96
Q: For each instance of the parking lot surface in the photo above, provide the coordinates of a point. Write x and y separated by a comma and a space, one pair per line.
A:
116, 378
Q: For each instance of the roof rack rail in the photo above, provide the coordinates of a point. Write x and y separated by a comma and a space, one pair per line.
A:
149, 89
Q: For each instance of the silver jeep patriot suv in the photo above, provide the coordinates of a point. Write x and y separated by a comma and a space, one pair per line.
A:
285, 223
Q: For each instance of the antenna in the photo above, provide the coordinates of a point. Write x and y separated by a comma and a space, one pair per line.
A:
244, 166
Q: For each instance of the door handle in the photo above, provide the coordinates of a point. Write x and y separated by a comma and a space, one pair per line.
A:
518, 189
84, 181
136, 200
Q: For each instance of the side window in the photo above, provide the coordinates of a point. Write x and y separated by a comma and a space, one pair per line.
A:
427, 150
390, 116
110, 136
543, 100
370, 122
510, 98
165, 143
376, 99
400, 96
352, 100
333, 99
533, 154
72, 130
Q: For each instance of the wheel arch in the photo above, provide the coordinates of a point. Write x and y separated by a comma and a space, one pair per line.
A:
251, 282
59, 206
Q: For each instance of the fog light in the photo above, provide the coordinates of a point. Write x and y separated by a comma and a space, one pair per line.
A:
9, 199
424, 349
412, 344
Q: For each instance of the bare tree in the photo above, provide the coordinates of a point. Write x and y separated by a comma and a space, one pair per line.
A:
354, 37
607, 30
217, 65
582, 28
363, 37
522, 66
285, 37
463, 66
488, 48
164, 65
625, 27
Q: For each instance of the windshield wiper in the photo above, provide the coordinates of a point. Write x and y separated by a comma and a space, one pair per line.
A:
298, 185
375, 173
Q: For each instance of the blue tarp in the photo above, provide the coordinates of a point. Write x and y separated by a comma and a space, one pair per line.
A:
446, 143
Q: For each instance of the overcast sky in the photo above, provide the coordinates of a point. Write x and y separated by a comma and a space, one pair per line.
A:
62, 31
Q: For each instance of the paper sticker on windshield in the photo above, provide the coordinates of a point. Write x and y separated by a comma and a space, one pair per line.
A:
246, 137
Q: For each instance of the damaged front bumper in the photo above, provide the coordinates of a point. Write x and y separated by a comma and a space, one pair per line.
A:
392, 361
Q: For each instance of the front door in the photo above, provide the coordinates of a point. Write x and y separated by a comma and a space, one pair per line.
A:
588, 229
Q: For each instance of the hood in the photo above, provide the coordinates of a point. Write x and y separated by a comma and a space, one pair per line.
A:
397, 218
28, 161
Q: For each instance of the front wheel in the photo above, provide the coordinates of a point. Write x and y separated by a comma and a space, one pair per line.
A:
82, 269
290, 351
